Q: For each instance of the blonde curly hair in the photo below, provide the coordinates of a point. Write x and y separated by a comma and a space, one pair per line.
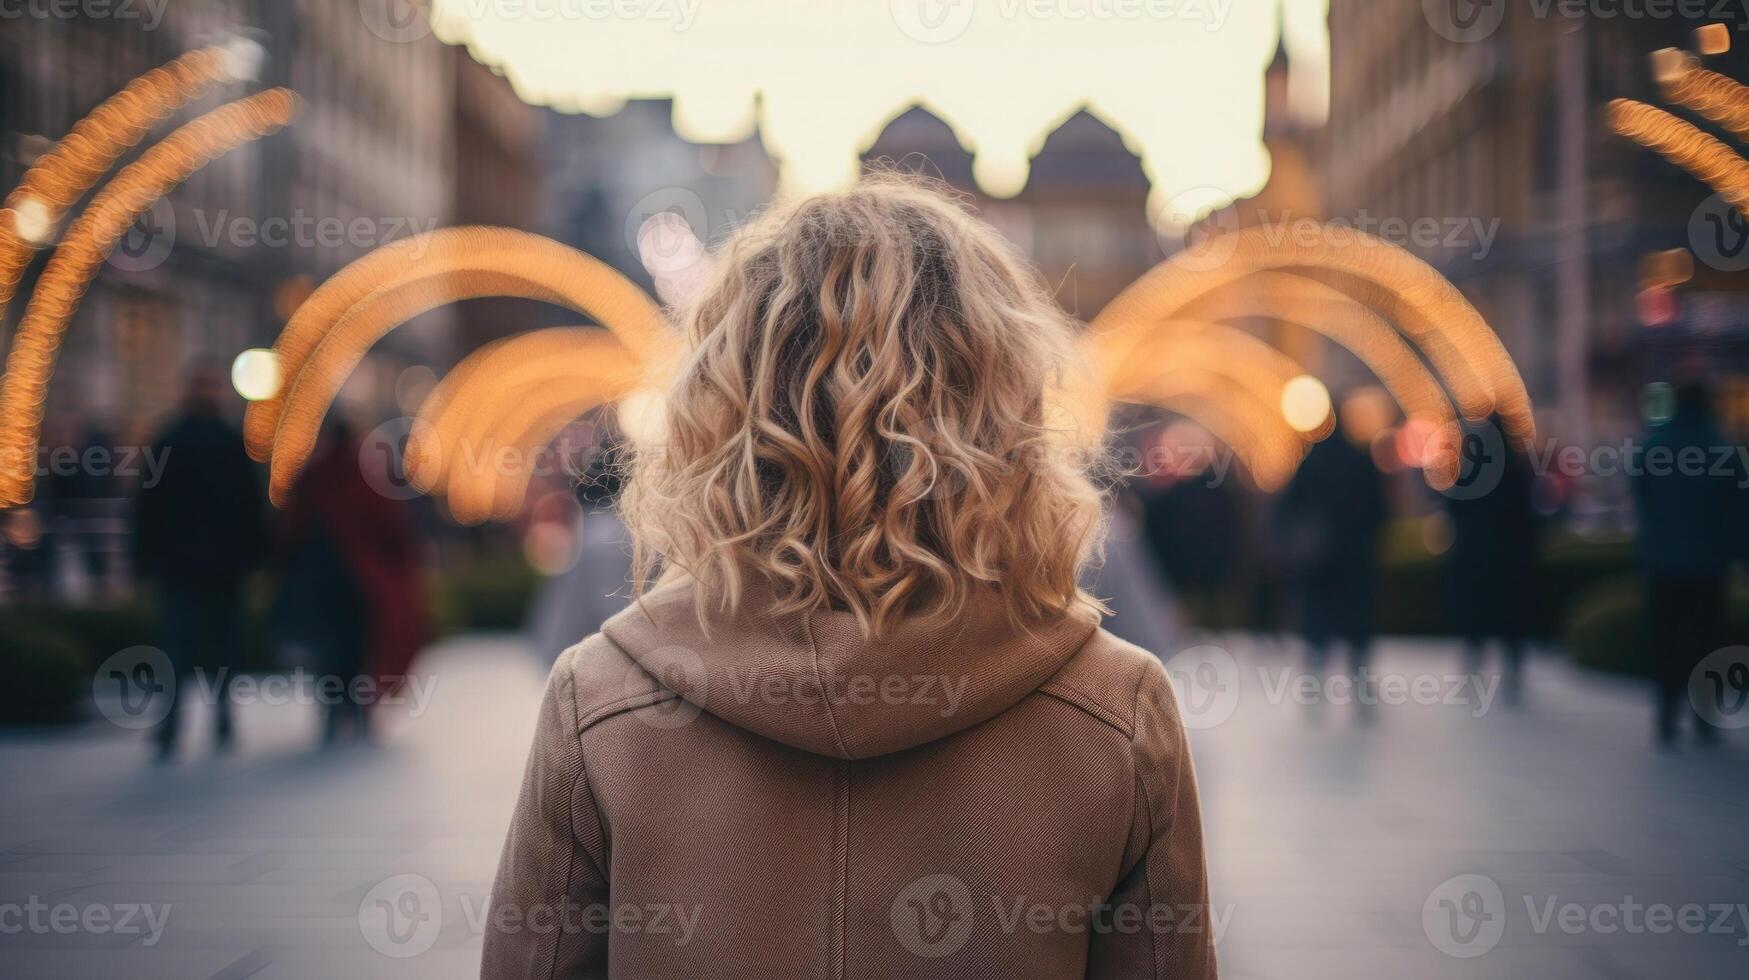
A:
868, 417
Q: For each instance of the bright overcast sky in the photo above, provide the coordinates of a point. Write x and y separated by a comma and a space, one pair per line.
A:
1182, 80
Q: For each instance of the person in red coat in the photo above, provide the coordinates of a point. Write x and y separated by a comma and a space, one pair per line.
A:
353, 593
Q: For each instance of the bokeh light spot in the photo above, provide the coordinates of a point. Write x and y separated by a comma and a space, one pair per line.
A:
1305, 403
255, 374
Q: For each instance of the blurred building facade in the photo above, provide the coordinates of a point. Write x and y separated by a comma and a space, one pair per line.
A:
1294, 195
373, 153
497, 178
1081, 218
605, 175
1545, 215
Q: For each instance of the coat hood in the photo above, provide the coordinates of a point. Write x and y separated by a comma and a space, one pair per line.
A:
813, 682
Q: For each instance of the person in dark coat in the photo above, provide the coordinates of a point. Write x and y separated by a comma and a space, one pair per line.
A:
1491, 567
199, 531
1689, 497
1191, 523
1328, 528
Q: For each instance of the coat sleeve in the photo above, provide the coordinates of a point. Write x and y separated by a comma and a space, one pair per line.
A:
547, 912
1160, 923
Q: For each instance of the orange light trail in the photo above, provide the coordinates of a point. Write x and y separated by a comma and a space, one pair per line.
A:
1318, 306
1680, 142
1720, 99
1258, 435
476, 434
527, 426
1322, 308
62, 175
1203, 349
475, 263
87, 244
1426, 307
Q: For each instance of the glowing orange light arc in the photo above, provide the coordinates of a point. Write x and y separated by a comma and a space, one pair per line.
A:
36, 344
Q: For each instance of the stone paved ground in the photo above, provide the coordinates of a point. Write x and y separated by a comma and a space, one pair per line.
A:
1329, 835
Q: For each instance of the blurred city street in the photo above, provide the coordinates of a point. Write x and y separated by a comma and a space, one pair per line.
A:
353, 349
1327, 833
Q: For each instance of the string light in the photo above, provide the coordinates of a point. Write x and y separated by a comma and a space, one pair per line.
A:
476, 437
62, 175
88, 242
1680, 142
329, 336
1427, 308
1712, 95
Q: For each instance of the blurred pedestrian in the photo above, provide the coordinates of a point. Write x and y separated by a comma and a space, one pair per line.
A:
1688, 491
199, 531
352, 594
1328, 528
574, 603
1491, 567
1189, 511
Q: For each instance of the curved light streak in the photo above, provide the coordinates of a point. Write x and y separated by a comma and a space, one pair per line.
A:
62, 175
1256, 432
528, 426
88, 242
1680, 142
1212, 348
334, 328
1723, 100
1326, 310
472, 436
1200, 343
459, 395
1425, 306
1288, 298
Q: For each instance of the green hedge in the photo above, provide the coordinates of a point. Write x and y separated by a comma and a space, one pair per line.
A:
46, 676
486, 594
1608, 630
49, 652
1412, 585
